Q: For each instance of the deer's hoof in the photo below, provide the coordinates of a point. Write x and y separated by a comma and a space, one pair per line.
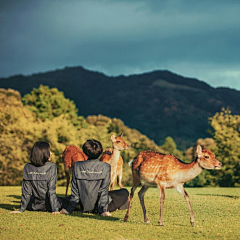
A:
192, 223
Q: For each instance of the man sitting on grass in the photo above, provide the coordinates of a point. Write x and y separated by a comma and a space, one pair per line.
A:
90, 184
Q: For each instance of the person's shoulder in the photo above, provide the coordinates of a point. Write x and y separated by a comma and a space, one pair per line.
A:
104, 164
48, 166
29, 165
51, 163
78, 163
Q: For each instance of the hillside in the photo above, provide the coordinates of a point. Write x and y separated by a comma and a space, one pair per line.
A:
158, 103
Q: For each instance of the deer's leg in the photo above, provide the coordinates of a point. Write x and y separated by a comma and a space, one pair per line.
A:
162, 198
141, 194
113, 178
134, 187
111, 185
181, 190
120, 178
68, 181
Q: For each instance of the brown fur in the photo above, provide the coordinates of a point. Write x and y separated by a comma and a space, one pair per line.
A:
167, 171
112, 156
70, 155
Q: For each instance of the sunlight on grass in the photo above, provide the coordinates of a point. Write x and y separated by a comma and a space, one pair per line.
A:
216, 217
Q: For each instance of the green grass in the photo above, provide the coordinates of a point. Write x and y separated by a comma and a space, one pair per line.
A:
217, 216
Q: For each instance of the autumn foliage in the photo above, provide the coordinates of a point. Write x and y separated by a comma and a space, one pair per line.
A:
45, 114
21, 127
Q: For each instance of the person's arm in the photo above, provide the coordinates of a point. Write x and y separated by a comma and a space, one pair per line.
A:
74, 195
26, 195
52, 190
103, 193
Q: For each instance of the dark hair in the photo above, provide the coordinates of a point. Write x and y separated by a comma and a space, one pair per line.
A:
40, 153
92, 148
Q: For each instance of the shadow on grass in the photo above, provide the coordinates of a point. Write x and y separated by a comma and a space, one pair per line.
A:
62, 195
218, 195
93, 216
75, 214
15, 196
10, 206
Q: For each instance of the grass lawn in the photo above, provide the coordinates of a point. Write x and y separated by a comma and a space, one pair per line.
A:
217, 216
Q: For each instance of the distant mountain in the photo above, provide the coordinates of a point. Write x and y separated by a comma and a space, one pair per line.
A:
158, 103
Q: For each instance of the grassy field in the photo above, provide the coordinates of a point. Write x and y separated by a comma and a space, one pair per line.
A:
217, 216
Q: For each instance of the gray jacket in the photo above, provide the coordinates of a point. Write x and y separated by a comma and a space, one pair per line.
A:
39, 188
89, 187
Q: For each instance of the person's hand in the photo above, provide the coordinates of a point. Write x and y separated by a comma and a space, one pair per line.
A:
106, 214
64, 211
16, 211
57, 212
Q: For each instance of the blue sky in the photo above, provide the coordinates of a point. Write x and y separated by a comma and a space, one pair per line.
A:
197, 39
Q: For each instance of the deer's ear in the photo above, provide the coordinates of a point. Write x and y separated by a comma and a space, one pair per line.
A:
121, 134
112, 138
199, 150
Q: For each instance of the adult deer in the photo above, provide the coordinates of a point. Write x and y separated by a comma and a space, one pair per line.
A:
112, 156
167, 171
70, 155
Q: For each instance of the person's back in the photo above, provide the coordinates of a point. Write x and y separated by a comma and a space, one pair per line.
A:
39, 182
90, 184
36, 179
92, 178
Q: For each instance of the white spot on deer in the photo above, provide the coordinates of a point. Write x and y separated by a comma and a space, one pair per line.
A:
170, 179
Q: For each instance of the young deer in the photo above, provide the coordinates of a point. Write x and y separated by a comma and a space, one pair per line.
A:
70, 155
112, 156
166, 171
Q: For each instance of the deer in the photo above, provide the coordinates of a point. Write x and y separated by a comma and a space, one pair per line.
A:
167, 171
70, 155
113, 157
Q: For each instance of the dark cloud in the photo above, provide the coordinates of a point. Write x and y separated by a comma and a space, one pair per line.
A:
199, 39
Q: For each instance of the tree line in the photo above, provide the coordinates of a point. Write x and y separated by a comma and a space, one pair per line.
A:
45, 114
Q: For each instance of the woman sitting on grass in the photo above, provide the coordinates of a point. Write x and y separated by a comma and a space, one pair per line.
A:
39, 183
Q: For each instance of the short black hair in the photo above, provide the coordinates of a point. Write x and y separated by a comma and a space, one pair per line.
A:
92, 148
40, 153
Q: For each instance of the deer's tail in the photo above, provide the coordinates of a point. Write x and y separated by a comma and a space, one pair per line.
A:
131, 162
136, 162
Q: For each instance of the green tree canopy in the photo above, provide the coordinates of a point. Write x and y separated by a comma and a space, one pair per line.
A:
50, 103
171, 147
20, 128
227, 137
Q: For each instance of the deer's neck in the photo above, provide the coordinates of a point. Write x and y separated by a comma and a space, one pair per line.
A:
114, 160
190, 171
115, 156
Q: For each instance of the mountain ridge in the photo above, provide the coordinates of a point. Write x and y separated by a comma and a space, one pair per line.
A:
157, 103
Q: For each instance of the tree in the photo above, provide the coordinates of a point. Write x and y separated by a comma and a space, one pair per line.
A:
48, 116
17, 134
227, 137
20, 129
50, 103
171, 147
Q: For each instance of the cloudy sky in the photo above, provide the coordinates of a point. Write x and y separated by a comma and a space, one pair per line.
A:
199, 39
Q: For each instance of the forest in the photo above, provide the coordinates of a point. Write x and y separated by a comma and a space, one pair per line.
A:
158, 103
46, 114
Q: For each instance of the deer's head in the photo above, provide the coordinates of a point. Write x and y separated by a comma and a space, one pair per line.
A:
206, 159
118, 142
